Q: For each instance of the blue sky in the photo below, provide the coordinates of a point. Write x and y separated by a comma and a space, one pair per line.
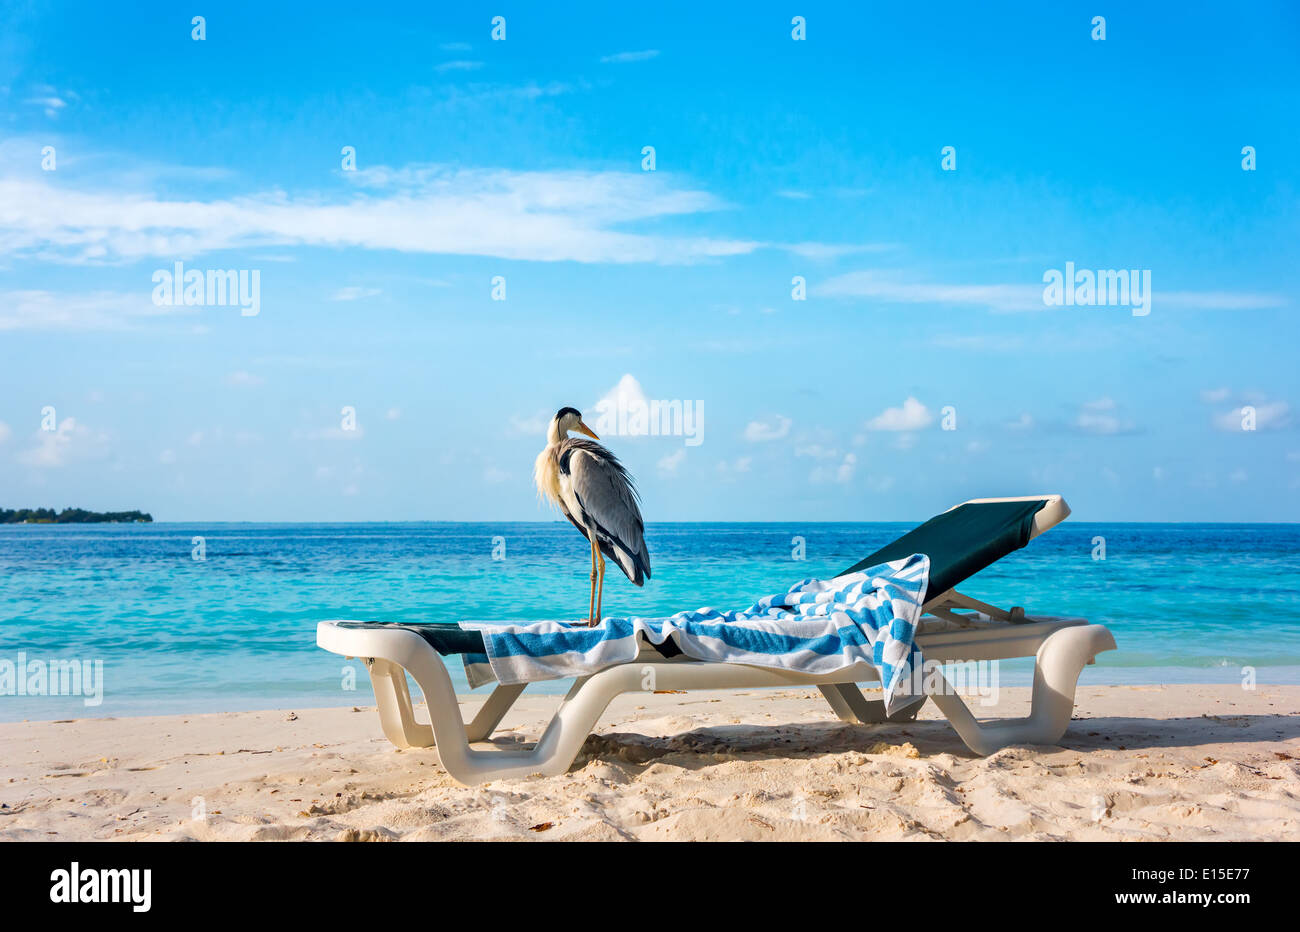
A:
774, 158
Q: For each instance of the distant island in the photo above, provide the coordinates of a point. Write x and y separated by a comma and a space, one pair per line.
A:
69, 516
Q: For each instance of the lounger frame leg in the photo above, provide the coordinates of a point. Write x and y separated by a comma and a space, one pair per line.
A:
394, 700
397, 715
492, 711
851, 706
1059, 661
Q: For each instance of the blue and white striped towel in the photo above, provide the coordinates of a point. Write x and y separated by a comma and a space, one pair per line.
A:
818, 626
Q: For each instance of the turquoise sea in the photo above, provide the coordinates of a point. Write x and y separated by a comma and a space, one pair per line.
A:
236, 630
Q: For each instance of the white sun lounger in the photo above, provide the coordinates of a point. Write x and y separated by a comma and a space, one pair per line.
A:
955, 629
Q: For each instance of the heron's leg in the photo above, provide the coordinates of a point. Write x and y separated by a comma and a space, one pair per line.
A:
591, 601
600, 585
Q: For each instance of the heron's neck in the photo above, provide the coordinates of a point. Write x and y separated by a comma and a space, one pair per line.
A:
554, 435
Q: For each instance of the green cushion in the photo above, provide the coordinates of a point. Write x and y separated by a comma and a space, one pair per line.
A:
963, 541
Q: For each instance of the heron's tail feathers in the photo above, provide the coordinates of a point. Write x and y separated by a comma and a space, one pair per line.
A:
636, 566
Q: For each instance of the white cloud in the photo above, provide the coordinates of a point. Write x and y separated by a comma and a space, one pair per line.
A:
741, 464
841, 473
329, 433
1269, 415
1238, 475
880, 483
243, 379
355, 292
5, 432
218, 437
776, 429
670, 464
911, 415
52, 104
495, 475
619, 58
980, 343
817, 451
823, 252
627, 395
393, 414
1214, 395
525, 215
887, 286
1100, 417
69, 442
792, 195
99, 310
458, 65
167, 457
1024, 422
890, 286
1219, 300
529, 91
533, 425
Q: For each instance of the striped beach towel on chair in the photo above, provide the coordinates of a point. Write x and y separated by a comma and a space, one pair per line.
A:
817, 626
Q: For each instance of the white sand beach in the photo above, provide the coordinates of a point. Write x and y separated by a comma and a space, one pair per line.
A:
1138, 762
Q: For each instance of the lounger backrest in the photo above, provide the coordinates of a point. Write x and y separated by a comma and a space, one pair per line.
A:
965, 540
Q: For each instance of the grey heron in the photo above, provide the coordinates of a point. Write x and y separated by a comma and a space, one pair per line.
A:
596, 493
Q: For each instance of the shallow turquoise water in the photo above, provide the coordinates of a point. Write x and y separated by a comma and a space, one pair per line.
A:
1189, 603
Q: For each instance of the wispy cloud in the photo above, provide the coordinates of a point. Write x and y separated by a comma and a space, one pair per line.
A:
1101, 417
671, 464
488, 93
242, 378
100, 310
841, 473
458, 65
355, 293
619, 58
530, 425
51, 99
894, 286
823, 252
775, 429
890, 287
1268, 415
1218, 300
730, 469
52, 105
529, 215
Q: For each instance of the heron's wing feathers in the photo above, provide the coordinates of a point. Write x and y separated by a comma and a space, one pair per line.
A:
607, 495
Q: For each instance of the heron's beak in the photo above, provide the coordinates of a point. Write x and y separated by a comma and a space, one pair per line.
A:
587, 430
